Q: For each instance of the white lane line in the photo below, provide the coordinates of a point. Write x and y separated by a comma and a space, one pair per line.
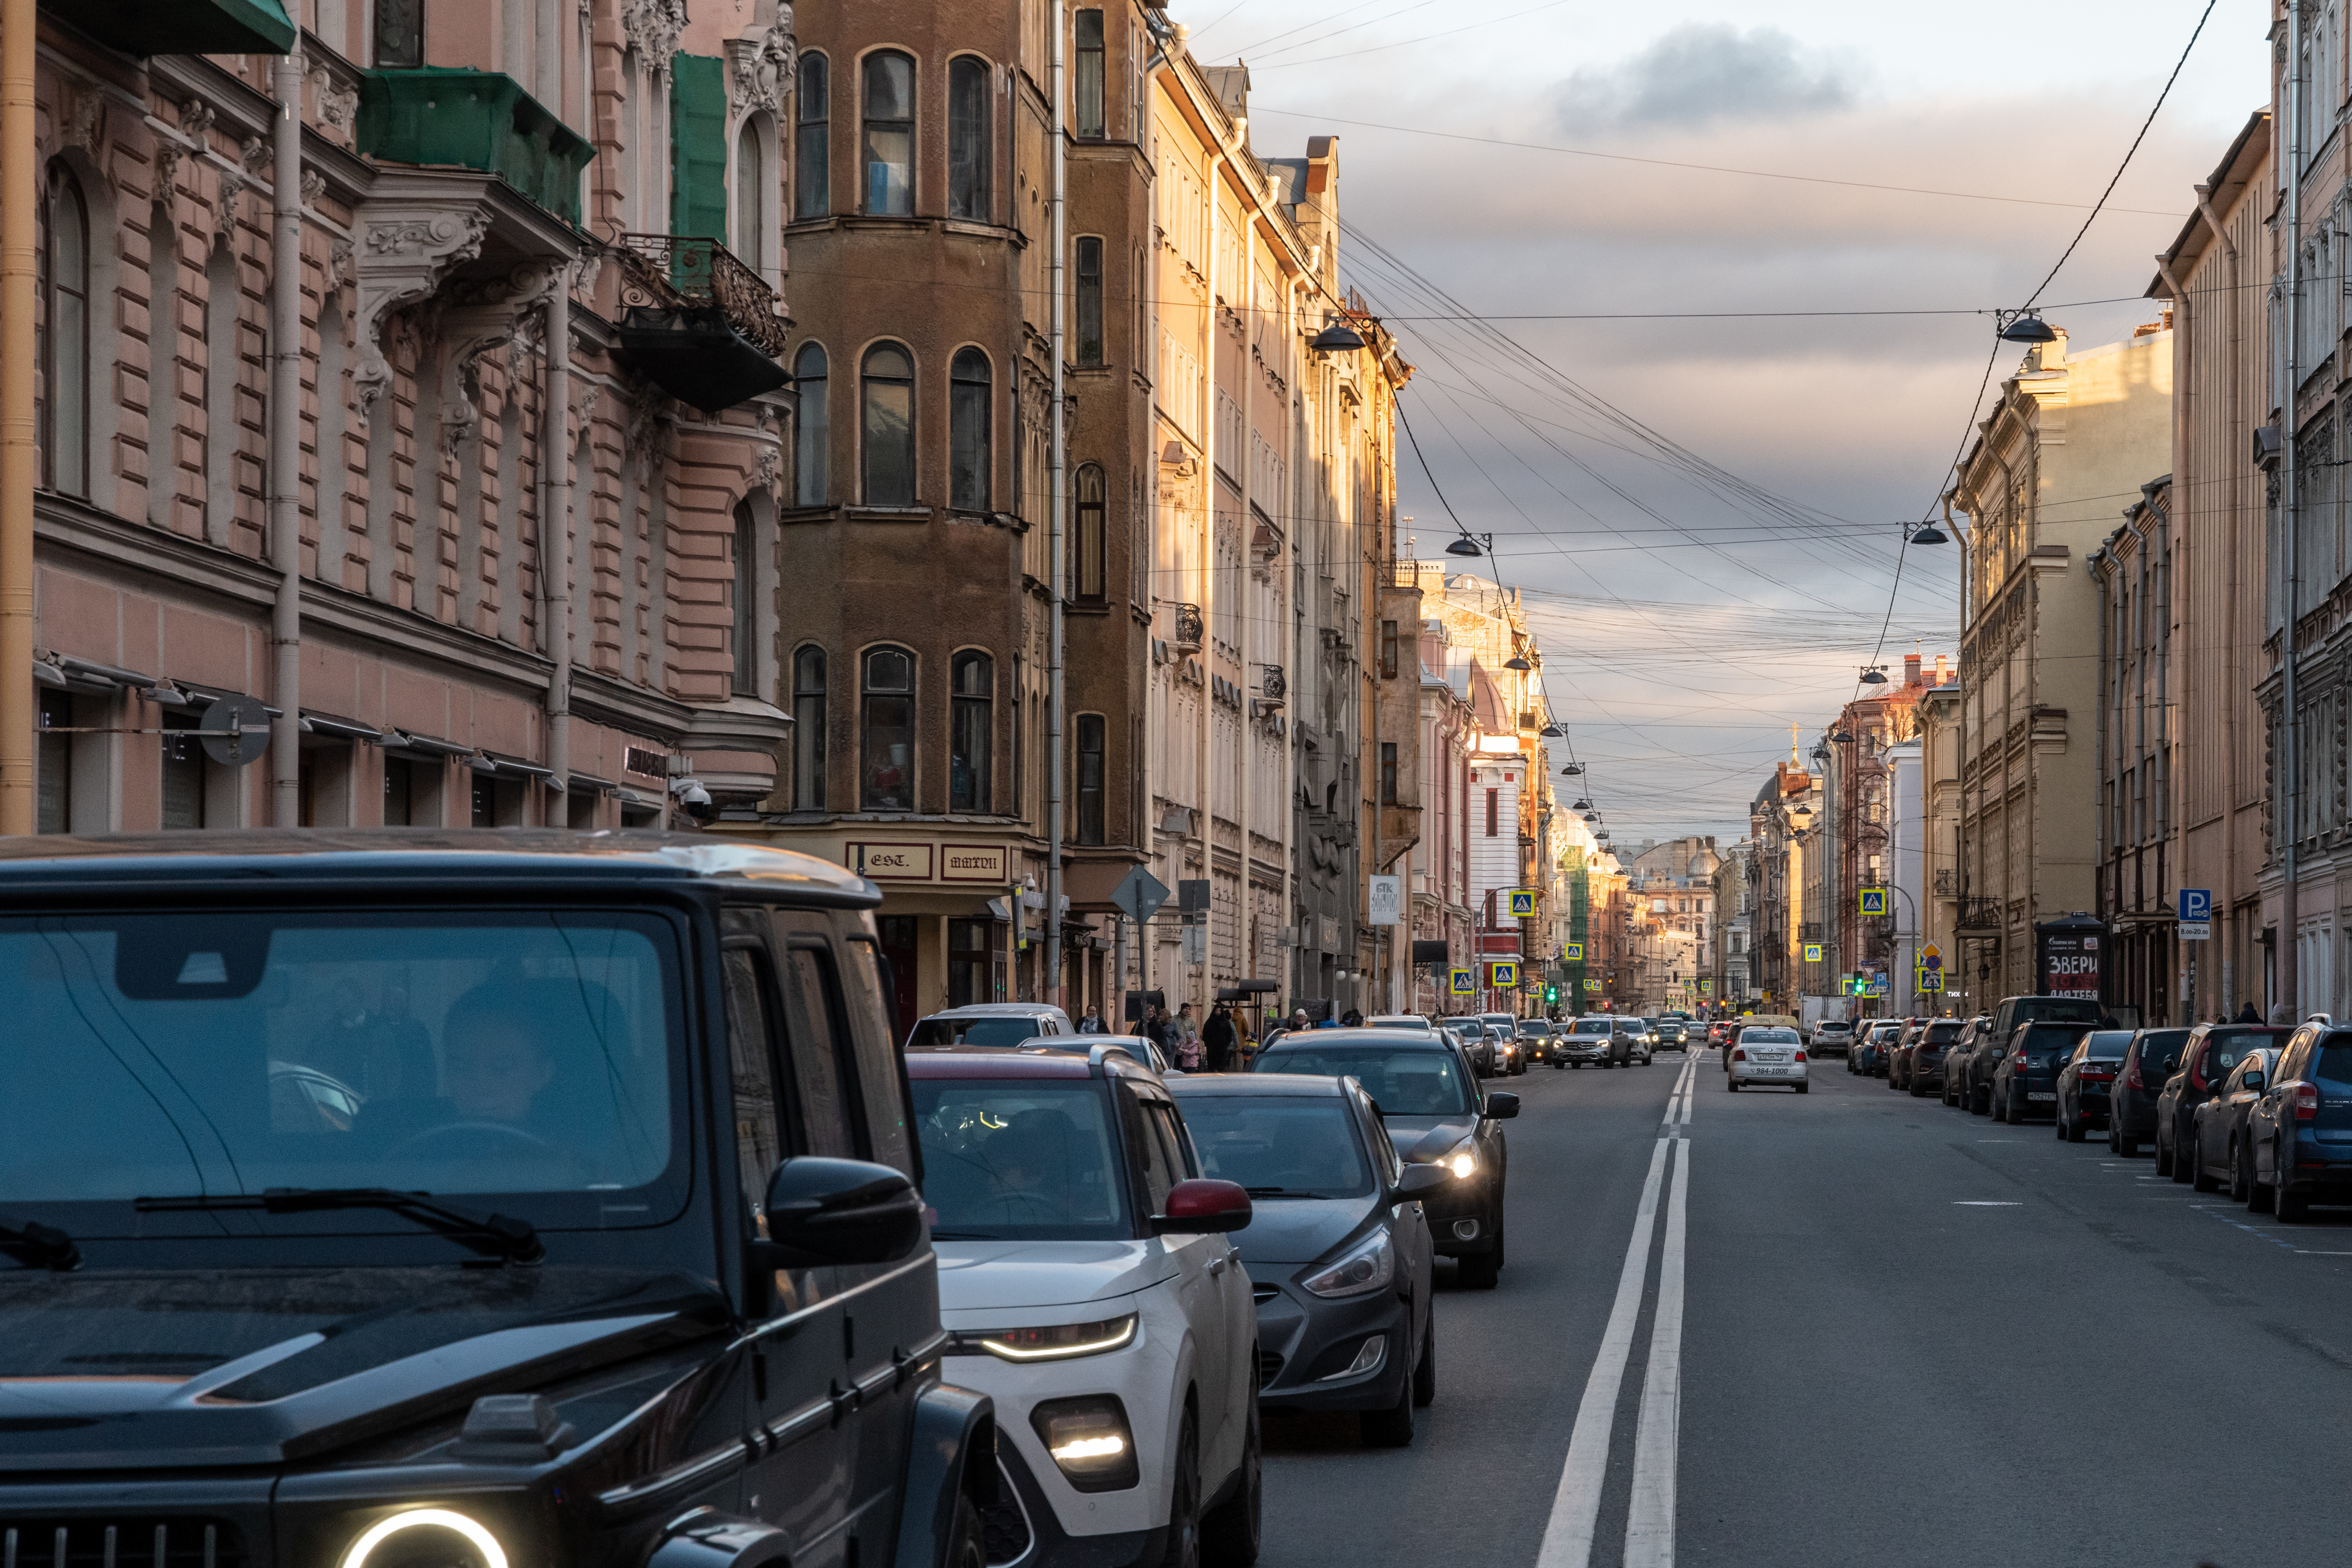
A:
1985, 1203
1576, 1506
1657, 1440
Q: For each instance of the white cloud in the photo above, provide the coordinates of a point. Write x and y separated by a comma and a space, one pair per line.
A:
1703, 74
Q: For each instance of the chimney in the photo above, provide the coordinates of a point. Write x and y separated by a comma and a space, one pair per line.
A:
1910, 669
1942, 662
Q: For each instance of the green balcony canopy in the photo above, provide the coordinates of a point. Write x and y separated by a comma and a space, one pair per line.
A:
474, 120
182, 27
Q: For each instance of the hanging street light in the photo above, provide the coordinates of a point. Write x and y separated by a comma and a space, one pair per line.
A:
1931, 534
1463, 544
1515, 662
1570, 771
1581, 805
1843, 738
1551, 731
1873, 676
1337, 338
2026, 327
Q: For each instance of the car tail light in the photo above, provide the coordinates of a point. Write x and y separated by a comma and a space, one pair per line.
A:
2306, 1102
1739, 1056
2091, 1076
2131, 1075
2019, 1059
1800, 1056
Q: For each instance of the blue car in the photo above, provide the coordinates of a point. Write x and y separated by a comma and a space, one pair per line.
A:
2300, 1128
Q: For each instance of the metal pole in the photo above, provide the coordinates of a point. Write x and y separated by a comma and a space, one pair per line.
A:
17, 456
2290, 810
555, 523
1057, 541
286, 442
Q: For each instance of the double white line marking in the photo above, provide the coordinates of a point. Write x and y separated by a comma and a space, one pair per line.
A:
1576, 1507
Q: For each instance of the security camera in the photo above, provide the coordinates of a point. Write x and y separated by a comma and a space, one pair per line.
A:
693, 799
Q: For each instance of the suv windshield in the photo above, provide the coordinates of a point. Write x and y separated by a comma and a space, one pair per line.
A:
1283, 1146
2057, 1009
1944, 1034
1401, 1082
994, 1031
1019, 1160
228, 1052
2109, 1045
1590, 1026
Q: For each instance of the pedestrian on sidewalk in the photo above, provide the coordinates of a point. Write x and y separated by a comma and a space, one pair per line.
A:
1218, 1038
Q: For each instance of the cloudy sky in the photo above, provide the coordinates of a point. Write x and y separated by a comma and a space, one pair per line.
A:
1704, 512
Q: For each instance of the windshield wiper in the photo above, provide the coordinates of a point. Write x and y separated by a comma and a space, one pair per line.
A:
964, 1236
38, 1245
491, 1235
1267, 1192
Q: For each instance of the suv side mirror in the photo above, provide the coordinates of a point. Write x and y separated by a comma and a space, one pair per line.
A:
2252, 1080
1417, 1181
823, 1210
1203, 1208
1501, 1107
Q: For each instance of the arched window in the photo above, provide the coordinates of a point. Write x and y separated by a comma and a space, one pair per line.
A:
1088, 733
808, 730
889, 151
969, 164
810, 487
1090, 302
968, 434
888, 419
64, 345
886, 758
972, 691
813, 141
1088, 579
751, 238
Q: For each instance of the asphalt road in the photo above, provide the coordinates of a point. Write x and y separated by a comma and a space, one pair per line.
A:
1869, 1330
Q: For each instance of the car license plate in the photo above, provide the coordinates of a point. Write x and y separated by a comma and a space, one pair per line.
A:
2041, 1094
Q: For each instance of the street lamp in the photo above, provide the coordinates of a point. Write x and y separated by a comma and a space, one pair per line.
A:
1337, 338
1467, 543
1571, 771
1873, 676
2025, 326
1931, 534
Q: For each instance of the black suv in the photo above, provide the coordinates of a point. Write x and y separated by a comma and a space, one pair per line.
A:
385, 1197
1435, 1115
2025, 1080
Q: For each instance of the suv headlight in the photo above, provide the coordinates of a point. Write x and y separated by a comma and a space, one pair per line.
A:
1089, 1440
1364, 1268
1057, 1341
1463, 1162
417, 1537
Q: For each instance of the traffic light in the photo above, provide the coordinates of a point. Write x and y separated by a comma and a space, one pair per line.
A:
1551, 995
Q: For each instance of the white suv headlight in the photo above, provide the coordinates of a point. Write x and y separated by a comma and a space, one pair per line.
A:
1061, 1342
1364, 1268
1463, 1162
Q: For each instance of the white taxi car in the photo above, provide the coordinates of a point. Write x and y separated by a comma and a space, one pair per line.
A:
1766, 1055
1088, 1287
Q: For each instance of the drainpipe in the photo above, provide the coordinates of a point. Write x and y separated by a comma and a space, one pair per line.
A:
2175, 818
2290, 813
1057, 541
555, 524
2232, 420
286, 442
17, 456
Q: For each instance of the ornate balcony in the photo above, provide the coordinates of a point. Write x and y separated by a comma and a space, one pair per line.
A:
1978, 915
699, 324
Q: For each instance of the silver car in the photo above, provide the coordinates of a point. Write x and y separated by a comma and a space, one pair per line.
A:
1768, 1055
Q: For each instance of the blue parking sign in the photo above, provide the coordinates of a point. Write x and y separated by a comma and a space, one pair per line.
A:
2196, 903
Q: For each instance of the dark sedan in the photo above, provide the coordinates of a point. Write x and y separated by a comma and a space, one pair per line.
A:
1976, 1065
2154, 1056
2217, 1131
2213, 1051
2301, 1126
1340, 1252
1925, 1073
1898, 1058
2086, 1083
2026, 1082
1437, 1117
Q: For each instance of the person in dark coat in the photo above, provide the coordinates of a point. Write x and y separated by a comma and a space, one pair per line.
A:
1217, 1034
2247, 1015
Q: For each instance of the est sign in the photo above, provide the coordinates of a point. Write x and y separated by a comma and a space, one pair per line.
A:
1464, 982
1503, 973
1573, 953
1874, 901
1523, 904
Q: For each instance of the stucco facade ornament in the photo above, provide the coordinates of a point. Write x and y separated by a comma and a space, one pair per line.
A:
168, 154
651, 28
235, 181
195, 119
402, 257
85, 125
314, 186
764, 67
482, 315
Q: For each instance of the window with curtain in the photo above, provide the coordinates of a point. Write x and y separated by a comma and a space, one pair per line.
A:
969, 164
64, 343
808, 730
1088, 733
813, 141
886, 758
399, 34
968, 434
746, 589
1088, 105
1090, 581
1090, 302
750, 243
970, 719
888, 417
810, 487
889, 149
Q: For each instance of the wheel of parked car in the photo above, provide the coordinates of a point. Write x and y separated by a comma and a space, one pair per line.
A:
1229, 1535
2199, 1179
2164, 1161
2259, 1198
1732, 1084
1389, 1428
1184, 1499
2292, 1207
2127, 1147
2242, 1183
1424, 1371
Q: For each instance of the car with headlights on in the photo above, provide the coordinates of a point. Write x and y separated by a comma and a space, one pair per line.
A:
382, 1198
1471, 1035
1771, 1055
1594, 1040
1434, 1112
1510, 1056
1340, 1254
1536, 1040
1089, 1280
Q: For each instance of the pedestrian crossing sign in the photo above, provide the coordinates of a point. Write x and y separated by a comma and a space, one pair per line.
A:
1592, 985
1523, 903
1931, 980
1465, 981
1572, 954
1874, 901
1812, 952
1503, 973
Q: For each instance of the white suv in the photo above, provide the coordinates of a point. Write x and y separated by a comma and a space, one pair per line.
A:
1089, 1288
